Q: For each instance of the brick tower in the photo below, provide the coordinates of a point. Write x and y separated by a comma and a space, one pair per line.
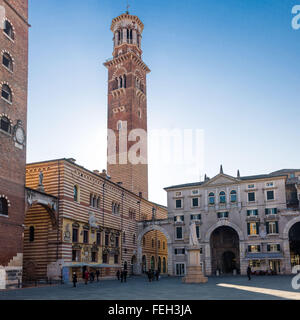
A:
13, 119
127, 106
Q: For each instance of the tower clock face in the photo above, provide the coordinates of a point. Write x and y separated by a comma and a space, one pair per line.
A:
20, 136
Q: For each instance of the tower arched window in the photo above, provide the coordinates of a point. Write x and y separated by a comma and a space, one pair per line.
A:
5, 124
120, 82
8, 30
3, 207
6, 93
222, 197
7, 61
31, 234
124, 81
211, 198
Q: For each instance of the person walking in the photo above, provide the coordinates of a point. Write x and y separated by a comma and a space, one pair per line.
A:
97, 274
122, 276
118, 275
249, 272
92, 276
86, 277
74, 279
157, 275
125, 275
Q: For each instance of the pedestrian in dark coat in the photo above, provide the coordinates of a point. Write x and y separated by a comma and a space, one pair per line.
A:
249, 272
118, 275
97, 275
122, 276
125, 275
74, 279
157, 275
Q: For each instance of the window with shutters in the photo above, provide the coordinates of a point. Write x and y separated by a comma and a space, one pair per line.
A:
233, 196
254, 248
272, 227
269, 211
273, 247
253, 228
195, 202
252, 213
178, 204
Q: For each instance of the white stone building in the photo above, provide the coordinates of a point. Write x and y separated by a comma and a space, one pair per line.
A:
240, 221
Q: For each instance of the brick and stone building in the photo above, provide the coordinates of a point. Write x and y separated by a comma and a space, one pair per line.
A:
240, 221
13, 130
95, 226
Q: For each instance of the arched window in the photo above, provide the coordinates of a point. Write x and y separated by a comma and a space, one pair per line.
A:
140, 113
233, 197
152, 263
222, 197
7, 61
120, 82
211, 198
124, 81
5, 124
6, 93
158, 244
3, 207
31, 234
75, 193
8, 30
164, 265
120, 36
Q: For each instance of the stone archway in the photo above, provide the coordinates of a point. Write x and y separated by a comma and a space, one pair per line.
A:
210, 266
143, 231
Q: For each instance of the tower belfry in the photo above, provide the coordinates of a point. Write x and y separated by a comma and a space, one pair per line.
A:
127, 106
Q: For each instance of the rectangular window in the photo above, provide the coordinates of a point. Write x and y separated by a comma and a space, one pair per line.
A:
180, 251
107, 239
251, 186
198, 231
179, 233
85, 236
195, 202
104, 258
117, 242
94, 256
251, 196
251, 213
178, 204
98, 238
254, 248
116, 259
195, 216
273, 247
253, 228
272, 227
195, 192
269, 184
270, 195
75, 235
271, 211
222, 215
75, 255
178, 194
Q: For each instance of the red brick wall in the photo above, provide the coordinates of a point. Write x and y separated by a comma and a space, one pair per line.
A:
13, 160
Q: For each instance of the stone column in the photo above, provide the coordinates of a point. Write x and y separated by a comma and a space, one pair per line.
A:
207, 260
116, 38
134, 36
124, 35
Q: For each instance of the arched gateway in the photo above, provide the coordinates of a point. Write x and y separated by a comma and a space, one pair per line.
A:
162, 226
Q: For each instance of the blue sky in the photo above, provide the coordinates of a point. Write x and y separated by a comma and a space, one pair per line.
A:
230, 68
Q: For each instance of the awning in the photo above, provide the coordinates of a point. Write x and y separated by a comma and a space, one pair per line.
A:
264, 256
82, 264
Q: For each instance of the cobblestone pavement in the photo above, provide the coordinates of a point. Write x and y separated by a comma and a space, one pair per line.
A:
138, 288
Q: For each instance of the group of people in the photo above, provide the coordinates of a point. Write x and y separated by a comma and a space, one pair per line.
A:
122, 275
86, 276
153, 275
